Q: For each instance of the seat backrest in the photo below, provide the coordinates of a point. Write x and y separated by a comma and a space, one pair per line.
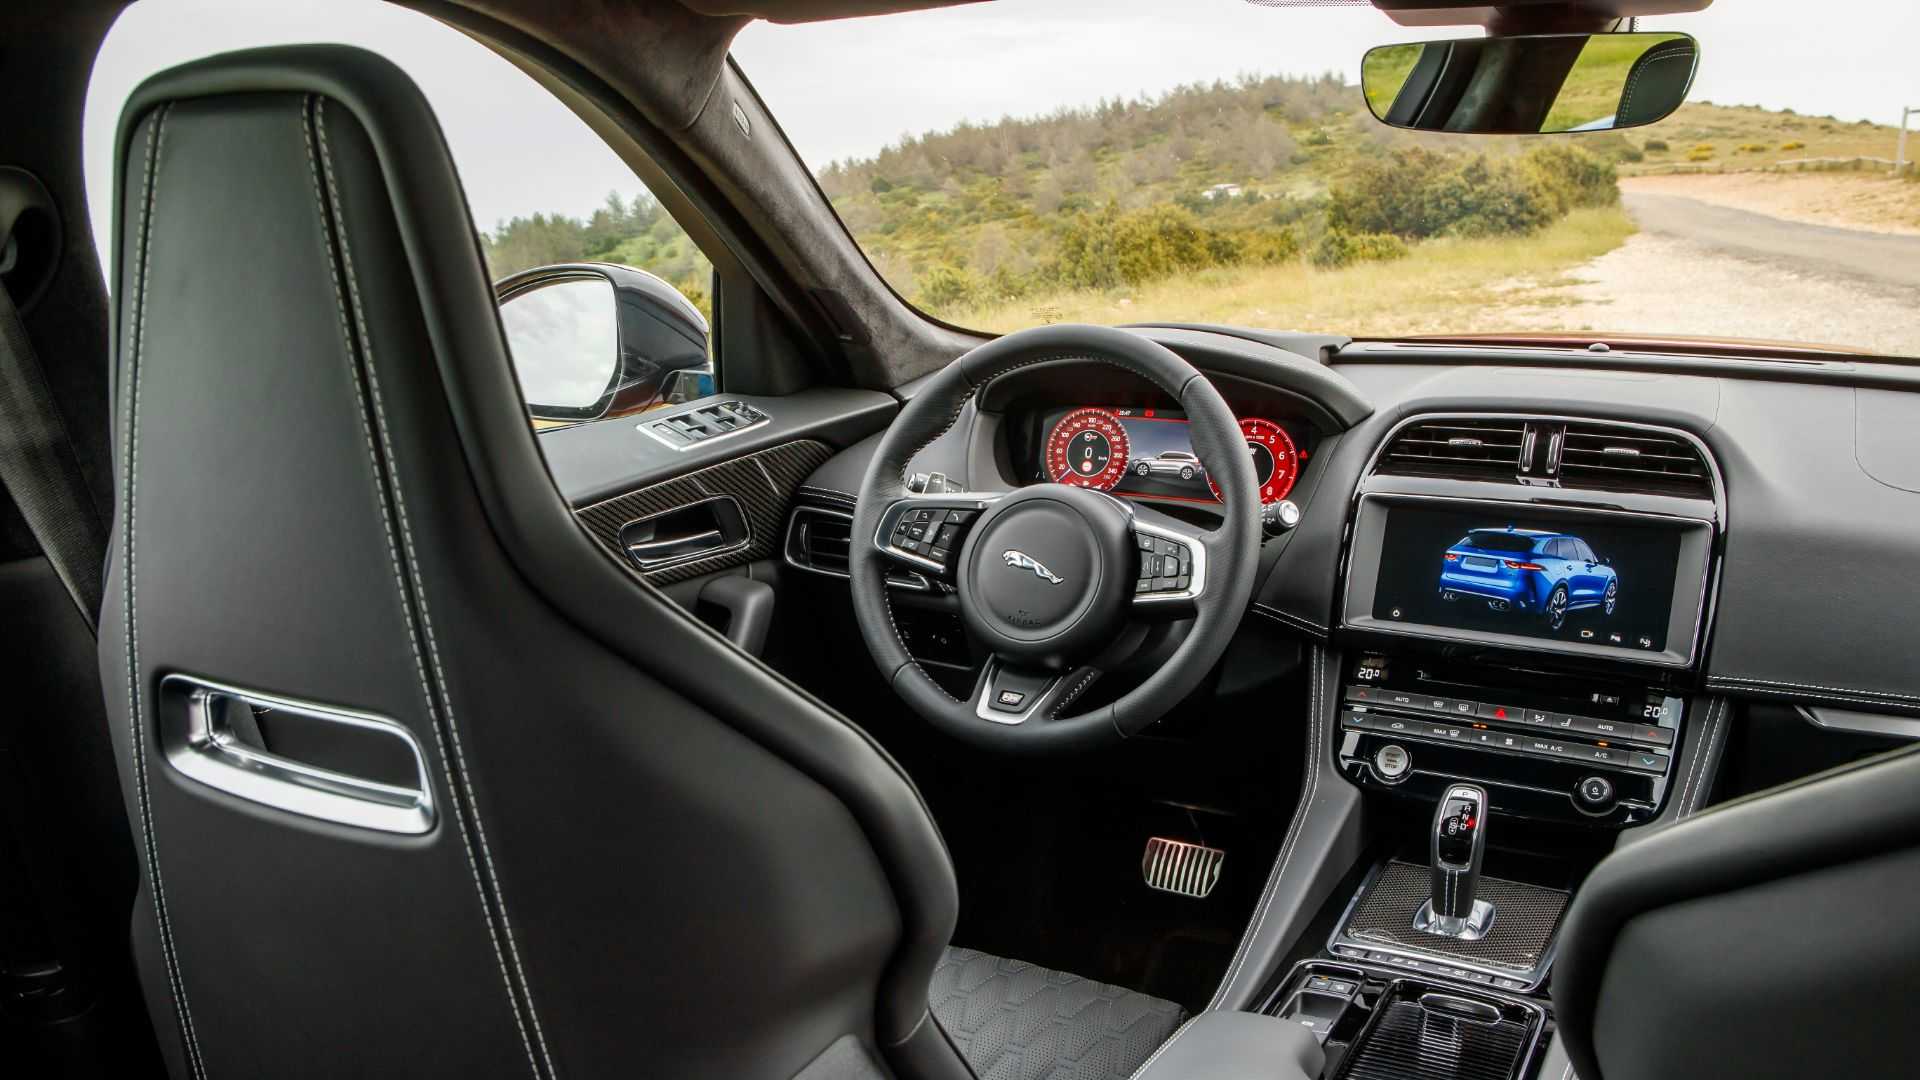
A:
1771, 936
562, 827
1655, 82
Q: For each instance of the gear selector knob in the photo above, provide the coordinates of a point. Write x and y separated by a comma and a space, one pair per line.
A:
1458, 844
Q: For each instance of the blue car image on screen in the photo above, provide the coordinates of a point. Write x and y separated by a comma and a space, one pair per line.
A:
1528, 571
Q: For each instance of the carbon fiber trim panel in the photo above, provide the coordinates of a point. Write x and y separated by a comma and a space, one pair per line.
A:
1525, 918
764, 483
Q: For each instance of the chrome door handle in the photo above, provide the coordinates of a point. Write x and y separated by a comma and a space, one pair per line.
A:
198, 737
653, 552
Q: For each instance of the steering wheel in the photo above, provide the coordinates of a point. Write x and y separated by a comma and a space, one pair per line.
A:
1062, 584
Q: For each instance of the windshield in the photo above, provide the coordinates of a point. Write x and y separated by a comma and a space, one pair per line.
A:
1032, 161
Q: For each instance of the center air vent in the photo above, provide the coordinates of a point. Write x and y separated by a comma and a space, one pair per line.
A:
1470, 449
1558, 453
1634, 459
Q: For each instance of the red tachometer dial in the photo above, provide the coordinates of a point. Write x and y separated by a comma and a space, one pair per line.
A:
1087, 448
1276, 465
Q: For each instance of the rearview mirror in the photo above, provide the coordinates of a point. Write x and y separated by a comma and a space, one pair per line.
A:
1528, 85
592, 340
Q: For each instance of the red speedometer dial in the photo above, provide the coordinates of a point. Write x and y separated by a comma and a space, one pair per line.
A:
1087, 448
1276, 465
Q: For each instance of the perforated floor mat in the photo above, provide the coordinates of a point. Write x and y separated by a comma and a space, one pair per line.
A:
1015, 1021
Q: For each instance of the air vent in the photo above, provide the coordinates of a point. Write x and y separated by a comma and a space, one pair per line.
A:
1618, 458
1471, 449
818, 540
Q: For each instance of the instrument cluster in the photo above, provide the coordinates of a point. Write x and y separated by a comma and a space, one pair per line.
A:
1147, 453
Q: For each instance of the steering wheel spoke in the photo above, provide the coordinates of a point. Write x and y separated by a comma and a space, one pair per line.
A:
1009, 695
1172, 574
925, 531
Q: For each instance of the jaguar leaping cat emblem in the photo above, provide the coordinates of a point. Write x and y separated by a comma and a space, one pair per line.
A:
1020, 560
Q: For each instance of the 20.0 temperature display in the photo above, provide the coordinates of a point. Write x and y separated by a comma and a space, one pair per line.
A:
1087, 448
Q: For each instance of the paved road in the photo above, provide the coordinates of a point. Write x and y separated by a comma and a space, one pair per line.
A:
1814, 249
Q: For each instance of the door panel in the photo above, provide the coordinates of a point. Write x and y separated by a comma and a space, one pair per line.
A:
762, 483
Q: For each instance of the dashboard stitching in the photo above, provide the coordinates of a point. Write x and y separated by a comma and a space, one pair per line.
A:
1759, 682
1288, 617
1700, 754
1715, 725
1293, 834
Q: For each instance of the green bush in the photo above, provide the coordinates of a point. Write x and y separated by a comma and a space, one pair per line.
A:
1752, 148
1572, 177
1655, 146
1338, 248
945, 288
1699, 153
1415, 194
1793, 144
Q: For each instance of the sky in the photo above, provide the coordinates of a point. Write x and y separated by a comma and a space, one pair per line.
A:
849, 88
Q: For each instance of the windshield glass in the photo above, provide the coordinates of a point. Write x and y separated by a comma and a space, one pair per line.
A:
1031, 161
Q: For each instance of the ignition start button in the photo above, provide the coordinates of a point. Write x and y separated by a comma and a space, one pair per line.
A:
1392, 762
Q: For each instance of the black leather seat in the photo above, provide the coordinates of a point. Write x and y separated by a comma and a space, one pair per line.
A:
601, 840
1770, 937
1656, 82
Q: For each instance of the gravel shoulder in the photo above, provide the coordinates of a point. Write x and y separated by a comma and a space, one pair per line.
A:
1663, 284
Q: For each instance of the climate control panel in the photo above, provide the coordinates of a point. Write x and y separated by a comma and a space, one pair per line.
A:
1545, 746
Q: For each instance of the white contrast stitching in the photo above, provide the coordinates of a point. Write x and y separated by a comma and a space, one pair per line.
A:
1699, 754
1074, 694
176, 981
1735, 679
318, 127
1287, 618
1148, 1064
1715, 715
1293, 832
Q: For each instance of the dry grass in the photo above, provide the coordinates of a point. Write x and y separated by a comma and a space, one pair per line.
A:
1443, 286
1725, 133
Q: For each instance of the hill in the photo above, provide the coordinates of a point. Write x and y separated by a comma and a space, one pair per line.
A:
996, 218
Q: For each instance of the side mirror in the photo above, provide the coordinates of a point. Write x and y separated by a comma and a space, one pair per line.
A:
593, 340
1532, 84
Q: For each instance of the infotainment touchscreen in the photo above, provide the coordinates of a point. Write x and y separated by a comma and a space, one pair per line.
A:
1590, 580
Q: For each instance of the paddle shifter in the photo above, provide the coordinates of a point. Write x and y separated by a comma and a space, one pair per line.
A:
1459, 842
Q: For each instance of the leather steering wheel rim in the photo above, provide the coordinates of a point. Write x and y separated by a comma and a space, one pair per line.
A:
1231, 549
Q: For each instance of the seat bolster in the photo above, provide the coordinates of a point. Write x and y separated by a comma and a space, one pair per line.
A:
1798, 839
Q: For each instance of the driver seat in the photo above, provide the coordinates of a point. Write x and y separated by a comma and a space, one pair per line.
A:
423, 782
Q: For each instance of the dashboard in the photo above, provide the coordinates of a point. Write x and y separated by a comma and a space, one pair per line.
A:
1146, 452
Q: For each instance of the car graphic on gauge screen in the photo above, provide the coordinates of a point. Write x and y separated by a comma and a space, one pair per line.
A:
1529, 572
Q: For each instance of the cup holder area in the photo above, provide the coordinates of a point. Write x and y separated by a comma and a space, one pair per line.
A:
1381, 1027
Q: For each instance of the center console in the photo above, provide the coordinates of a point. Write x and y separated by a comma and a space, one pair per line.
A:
1524, 603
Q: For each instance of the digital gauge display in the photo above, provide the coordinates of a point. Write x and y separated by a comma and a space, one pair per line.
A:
1148, 454
1276, 465
1087, 448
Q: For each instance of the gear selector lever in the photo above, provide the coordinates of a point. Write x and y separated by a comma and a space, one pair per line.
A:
1459, 841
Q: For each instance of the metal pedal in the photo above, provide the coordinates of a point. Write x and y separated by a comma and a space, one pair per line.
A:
1176, 866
